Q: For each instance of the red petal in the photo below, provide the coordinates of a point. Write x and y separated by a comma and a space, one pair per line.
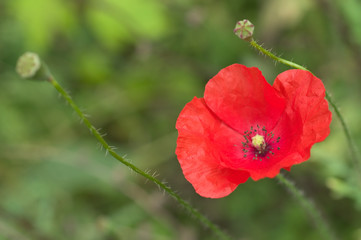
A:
241, 97
202, 136
305, 95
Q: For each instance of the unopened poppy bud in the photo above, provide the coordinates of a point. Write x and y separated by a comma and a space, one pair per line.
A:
244, 30
29, 66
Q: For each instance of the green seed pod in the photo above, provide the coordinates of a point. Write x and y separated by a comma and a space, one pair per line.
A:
244, 30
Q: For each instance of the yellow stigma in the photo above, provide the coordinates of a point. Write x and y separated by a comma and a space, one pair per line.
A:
258, 141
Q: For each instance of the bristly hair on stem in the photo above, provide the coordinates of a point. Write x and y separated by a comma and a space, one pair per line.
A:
310, 207
205, 221
30, 66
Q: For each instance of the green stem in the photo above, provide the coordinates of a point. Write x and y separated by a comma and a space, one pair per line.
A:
354, 156
274, 57
351, 144
199, 216
310, 207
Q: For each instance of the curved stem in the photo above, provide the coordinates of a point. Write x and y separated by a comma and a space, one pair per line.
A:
351, 144
310, 207
274, 57
355, 158
199, 216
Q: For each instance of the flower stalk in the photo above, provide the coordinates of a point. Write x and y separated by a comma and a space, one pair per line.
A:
310, 207
46, 75
199, 216
274, 57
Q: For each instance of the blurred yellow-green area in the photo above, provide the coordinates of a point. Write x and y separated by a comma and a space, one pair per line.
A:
132, 65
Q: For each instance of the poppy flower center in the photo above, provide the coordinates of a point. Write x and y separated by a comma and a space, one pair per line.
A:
259, 144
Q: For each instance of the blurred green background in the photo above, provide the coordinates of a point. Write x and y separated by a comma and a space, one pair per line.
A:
132, 65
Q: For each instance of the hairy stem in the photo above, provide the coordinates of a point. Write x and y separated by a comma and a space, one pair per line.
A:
199, 216
304, 201
274, 57
354, 156
310, 207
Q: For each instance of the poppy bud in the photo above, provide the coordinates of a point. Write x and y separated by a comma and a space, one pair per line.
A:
29, 66
244, 30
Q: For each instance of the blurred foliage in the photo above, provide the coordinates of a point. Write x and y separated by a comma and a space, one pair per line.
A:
133, 65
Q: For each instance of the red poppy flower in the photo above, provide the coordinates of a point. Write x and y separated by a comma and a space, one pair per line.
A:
244, 127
